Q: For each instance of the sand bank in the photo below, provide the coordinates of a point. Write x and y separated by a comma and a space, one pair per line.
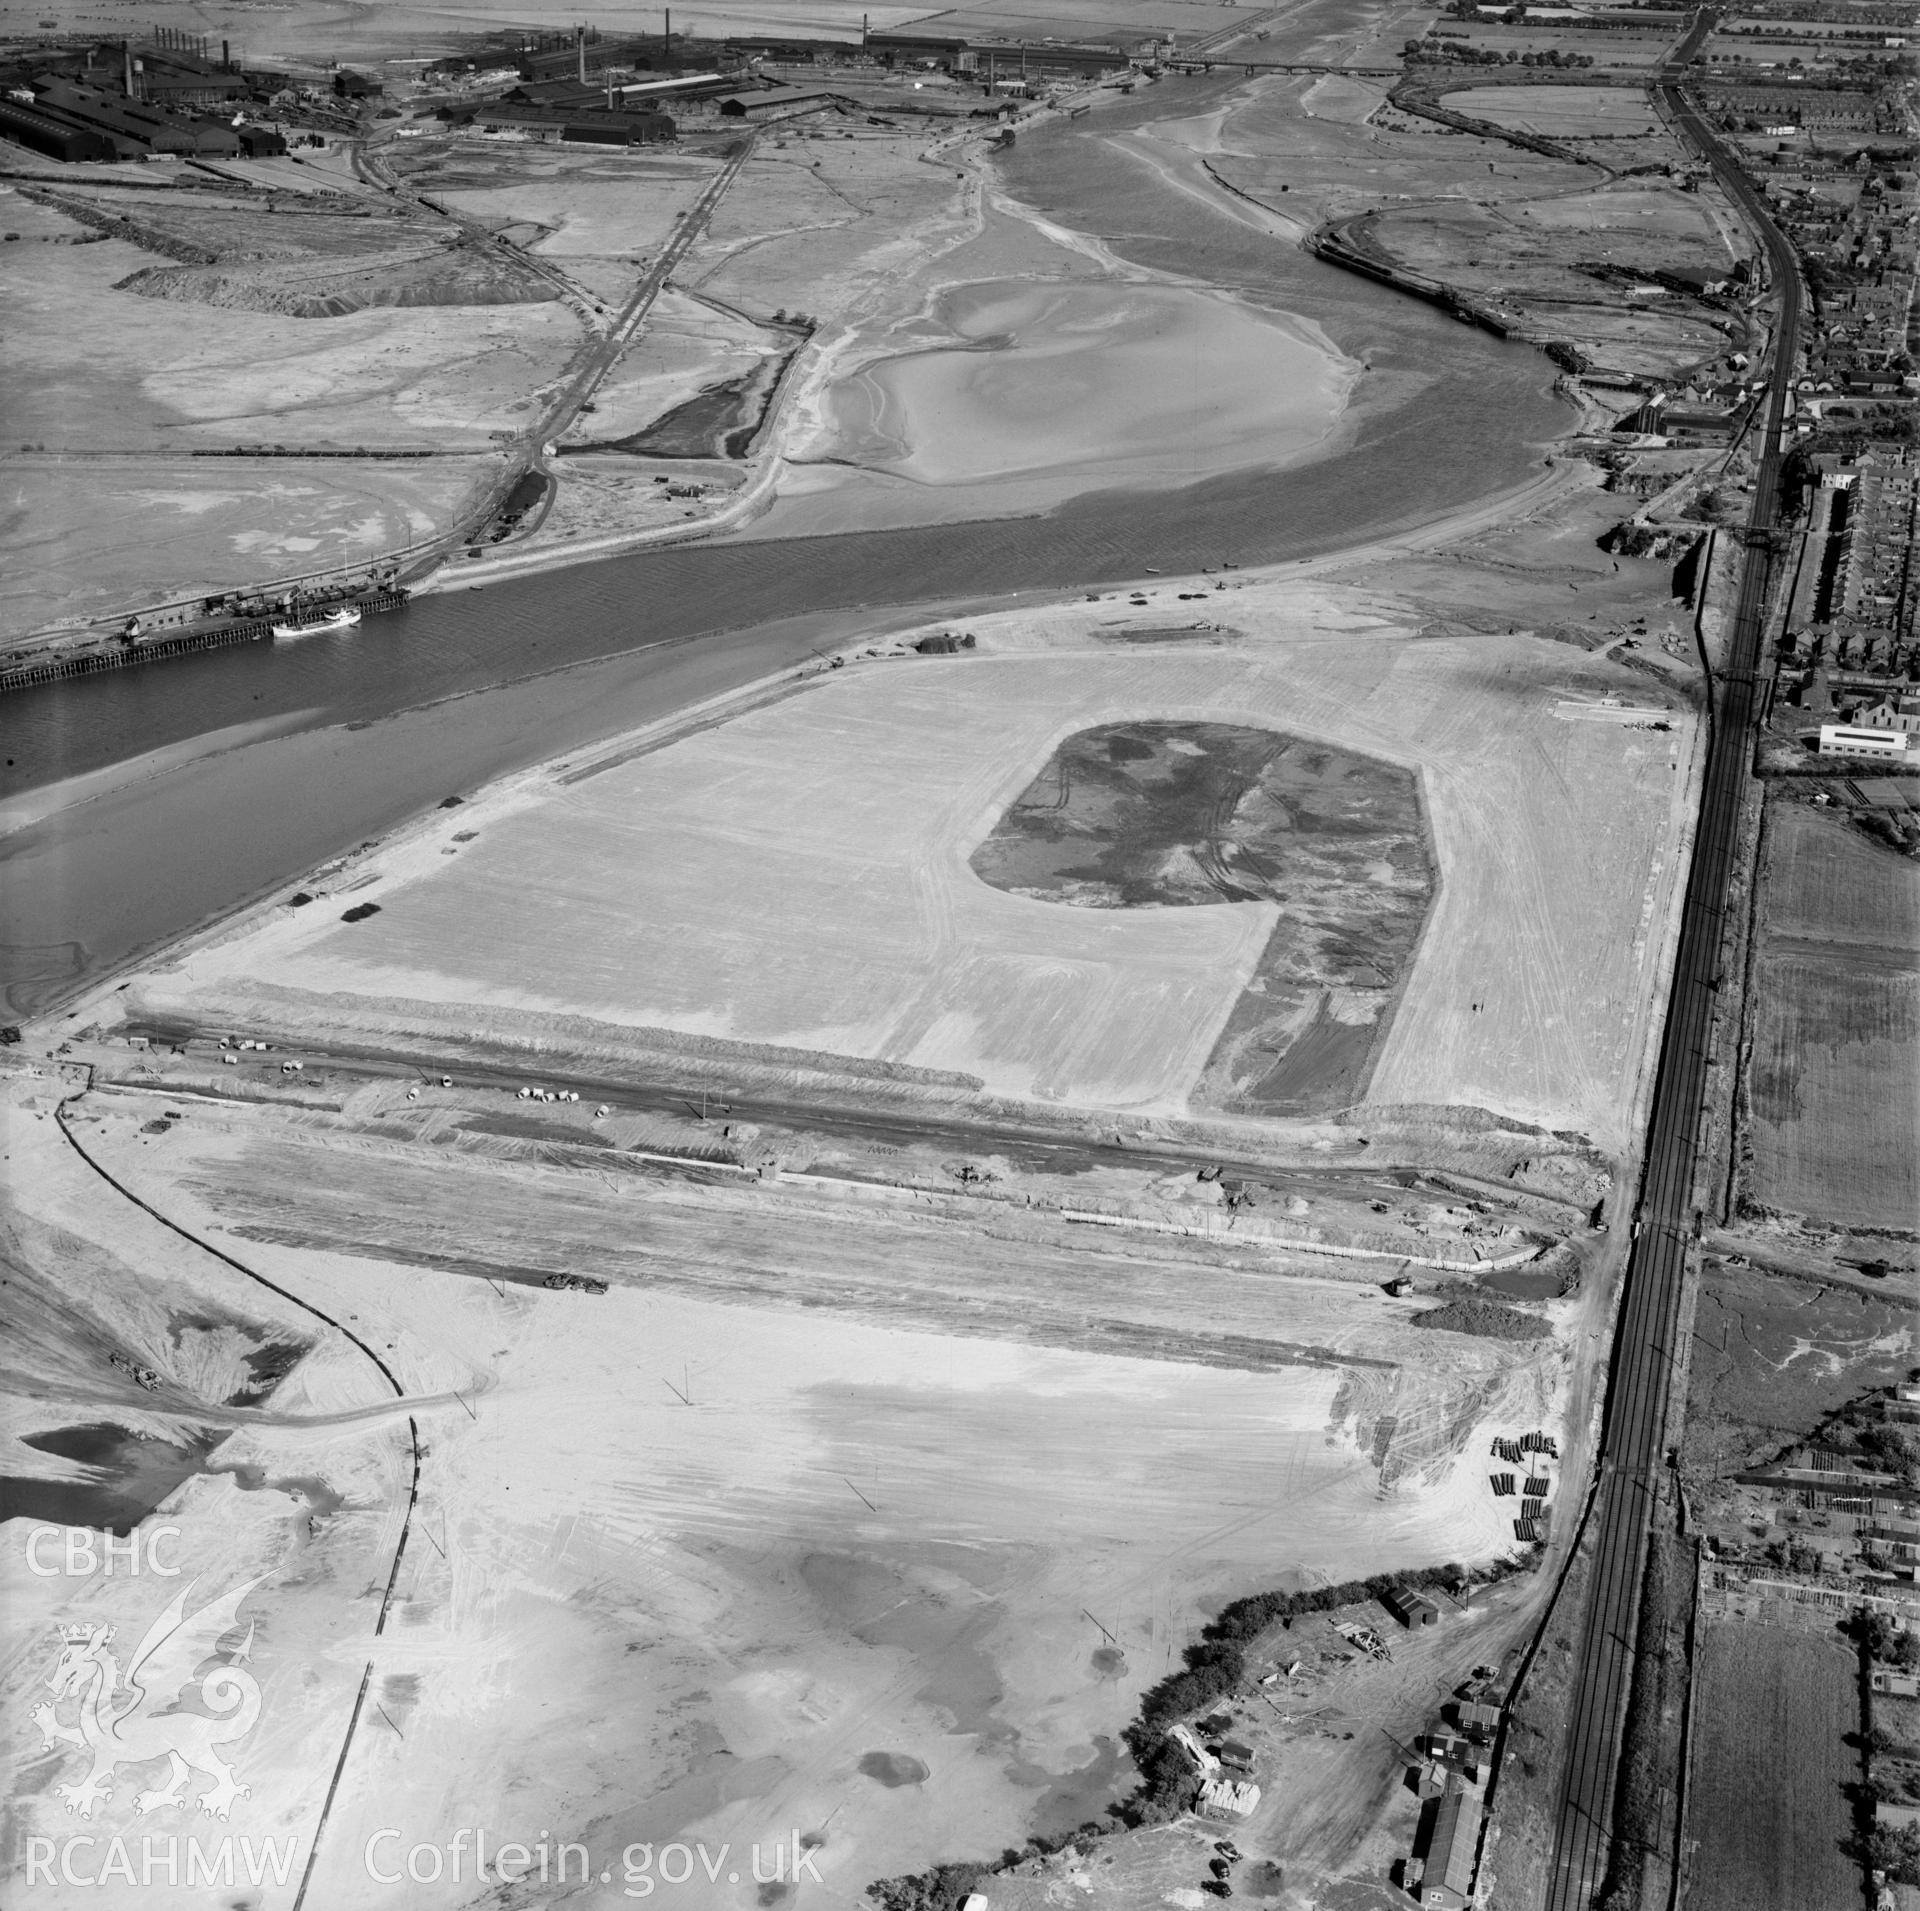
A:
1129, 385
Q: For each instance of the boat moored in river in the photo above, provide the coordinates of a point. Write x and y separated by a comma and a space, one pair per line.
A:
342, 617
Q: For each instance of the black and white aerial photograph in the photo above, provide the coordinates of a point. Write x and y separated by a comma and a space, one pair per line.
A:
959, 957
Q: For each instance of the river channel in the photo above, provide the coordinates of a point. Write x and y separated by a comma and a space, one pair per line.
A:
211, 779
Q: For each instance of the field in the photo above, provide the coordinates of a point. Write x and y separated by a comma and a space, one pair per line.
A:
1770, 1809
1772, 1357
1529, 259
1615, 53
1835, 1042
1559, 112
1510, 231
1900, 1720
844, 819
1307, 137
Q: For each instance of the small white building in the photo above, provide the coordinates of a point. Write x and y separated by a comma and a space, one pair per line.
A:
1850, 739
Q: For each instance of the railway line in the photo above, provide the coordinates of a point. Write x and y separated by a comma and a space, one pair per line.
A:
1633, 1454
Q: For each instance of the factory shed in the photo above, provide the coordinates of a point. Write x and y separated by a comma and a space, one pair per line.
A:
617, 129
775, 100
586, 55
124, 145
590, 93
566, 91
915, 46
179, 83
41, 133
640, 128
131, 124
1412, 1609
1447, 1882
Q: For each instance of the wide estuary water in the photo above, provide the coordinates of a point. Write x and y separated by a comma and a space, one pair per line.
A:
256, 763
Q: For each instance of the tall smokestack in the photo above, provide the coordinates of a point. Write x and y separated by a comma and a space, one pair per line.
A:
580, 48
226, 58
667, 43
126, 72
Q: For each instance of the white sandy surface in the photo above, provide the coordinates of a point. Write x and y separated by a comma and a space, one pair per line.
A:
800, 876
631, 1610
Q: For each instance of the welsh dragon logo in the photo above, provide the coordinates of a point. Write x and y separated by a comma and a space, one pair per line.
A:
134, 1718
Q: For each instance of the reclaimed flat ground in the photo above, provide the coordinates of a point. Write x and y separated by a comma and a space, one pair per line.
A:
1836, 1030
633, 1611
799, 876
595, 214
148, 374
85, 535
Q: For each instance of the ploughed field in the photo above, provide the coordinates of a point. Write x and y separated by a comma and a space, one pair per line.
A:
801, 879
1834, 1048
1144, 814
1770, 1808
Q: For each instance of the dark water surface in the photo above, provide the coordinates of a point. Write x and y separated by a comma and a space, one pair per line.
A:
1442, 416
130, 1476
